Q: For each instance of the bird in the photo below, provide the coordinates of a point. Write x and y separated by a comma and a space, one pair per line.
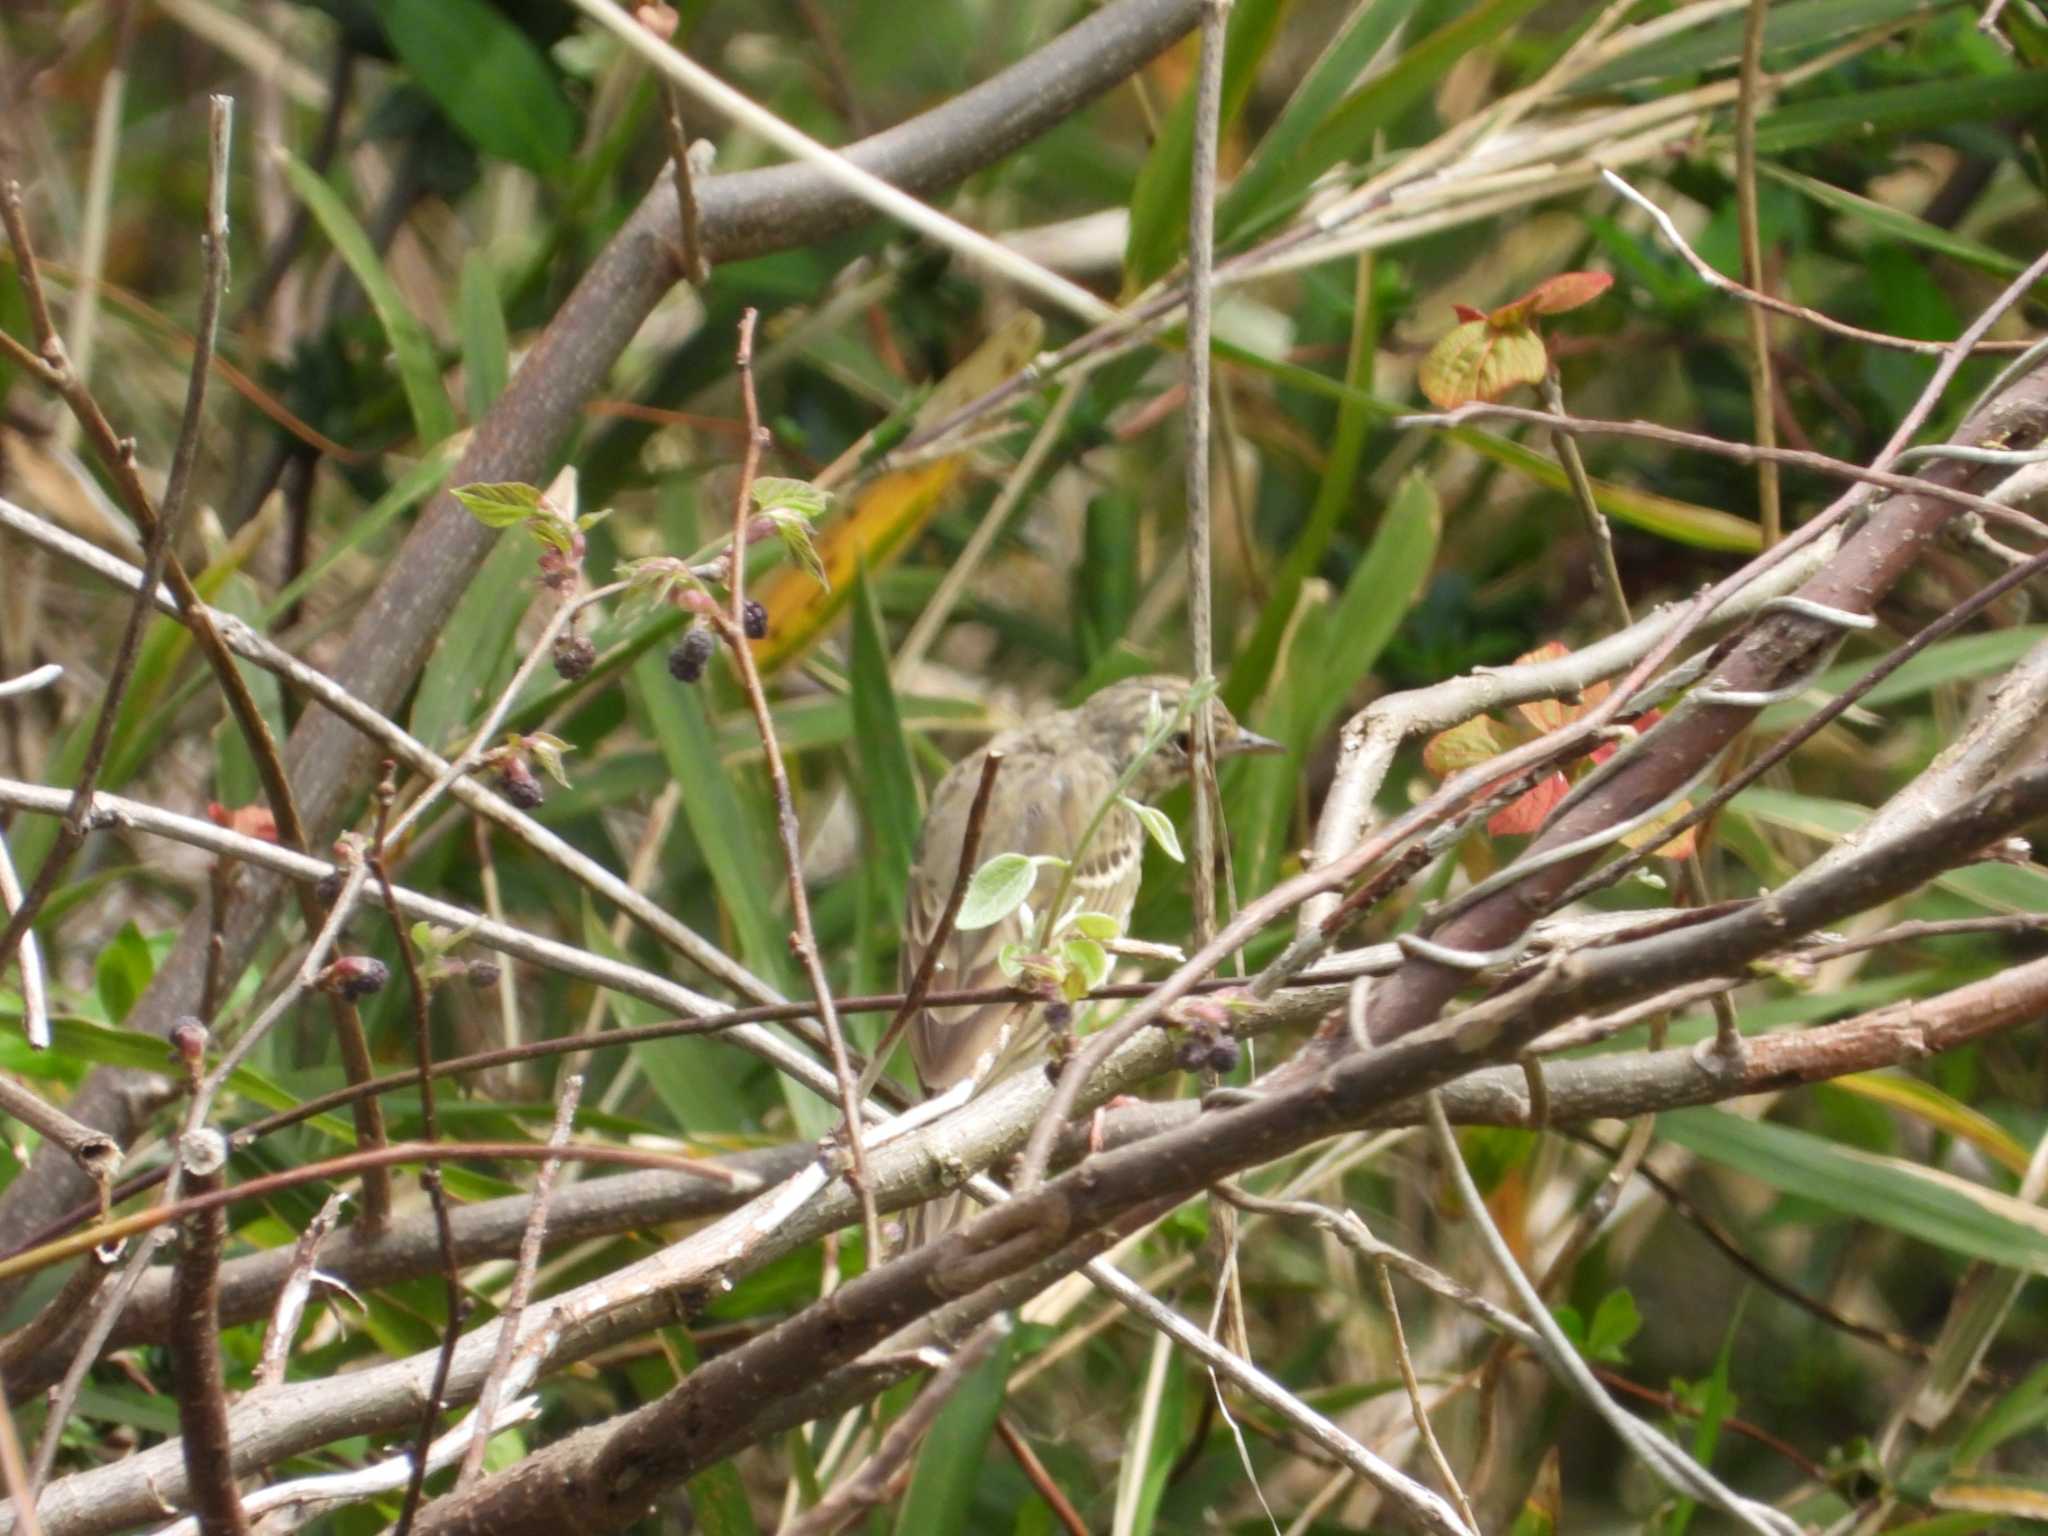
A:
1057, 773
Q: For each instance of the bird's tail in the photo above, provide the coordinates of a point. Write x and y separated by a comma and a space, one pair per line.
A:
931, 1221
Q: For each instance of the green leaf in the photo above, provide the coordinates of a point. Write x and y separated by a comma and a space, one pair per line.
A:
1087, 964
1999, 887
1158, 826
486, 350
1355, 46
1799, 23
948, 1471
773, 493
1958, 659
888, 796
1842, 121
488, 76
1481, 361
1896, 222
1339, 491
1922, 1203
998, 888
122, 972
419, 369
506, 504
1159, 202
1615, 1321
732, 837
1348, 131
475, 648
1096, 925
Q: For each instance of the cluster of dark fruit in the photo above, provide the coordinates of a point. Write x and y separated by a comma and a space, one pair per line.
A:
519, 783
689, 656
1206, 1048
355, 976
574, 657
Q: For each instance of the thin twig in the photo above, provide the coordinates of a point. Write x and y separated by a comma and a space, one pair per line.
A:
275, 1354
14, 1468
200, 1380
1762, 391
1201, 278
1803, 732
660, 21
106, 1312
869, 1483
430, 1174
530, 1245
160, 536
1423, 1427
35, 1001
1597, 531
1729, 286
1672, 1465
805, 938
928, 964
1039, 1478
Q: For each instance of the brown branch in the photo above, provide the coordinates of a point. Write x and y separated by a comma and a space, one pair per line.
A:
1039, 1478
195, 1347
14, 1468
531, 1243
430, 1174
869, 1483
746, 214
275, 1355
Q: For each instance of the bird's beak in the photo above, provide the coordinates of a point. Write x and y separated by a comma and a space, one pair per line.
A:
1251, 743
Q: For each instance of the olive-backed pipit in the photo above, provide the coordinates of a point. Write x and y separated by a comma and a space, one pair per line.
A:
1056, 774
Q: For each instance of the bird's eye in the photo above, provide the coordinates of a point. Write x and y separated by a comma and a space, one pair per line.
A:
1181, 742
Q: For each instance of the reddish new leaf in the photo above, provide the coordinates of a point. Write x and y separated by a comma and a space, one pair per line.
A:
1480, 360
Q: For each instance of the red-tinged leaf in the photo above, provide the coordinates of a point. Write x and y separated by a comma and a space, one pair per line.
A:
1548, 715
1460, 747
1523, 816
1467, 313
249, 820
1678, 847
1568, 290
1481, 361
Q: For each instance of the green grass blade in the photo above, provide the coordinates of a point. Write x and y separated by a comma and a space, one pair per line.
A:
419, 369
488, 76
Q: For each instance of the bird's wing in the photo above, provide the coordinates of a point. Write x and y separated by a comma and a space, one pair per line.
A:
1043, 801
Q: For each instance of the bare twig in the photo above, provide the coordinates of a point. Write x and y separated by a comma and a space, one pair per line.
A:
195, 1345
805, 938
35, 1001
1423, 1428
1595, 520
430, 1175
275, 1355
869, 1484
14, 1469
1763, 394
928, 964
660, 20
1040, 1479
1658, 1452
522, 1285
1201, 264
161, 534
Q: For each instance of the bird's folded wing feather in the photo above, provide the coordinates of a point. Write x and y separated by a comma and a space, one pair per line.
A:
1043, 803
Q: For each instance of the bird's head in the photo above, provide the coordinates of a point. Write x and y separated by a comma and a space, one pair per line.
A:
1120, 718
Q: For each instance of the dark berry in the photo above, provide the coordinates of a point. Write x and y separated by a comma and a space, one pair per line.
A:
1192, 1054
519, 784
574, 657
687, 661
482, 974
355, 976
1223, 1056
327, 890
1059, 1015
754, 619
